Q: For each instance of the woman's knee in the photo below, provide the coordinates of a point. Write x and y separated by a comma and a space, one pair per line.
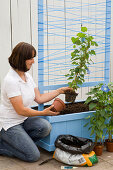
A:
46, 128
38, 128
33, 157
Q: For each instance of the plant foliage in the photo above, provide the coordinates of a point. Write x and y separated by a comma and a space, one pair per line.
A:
80, 58
100, 99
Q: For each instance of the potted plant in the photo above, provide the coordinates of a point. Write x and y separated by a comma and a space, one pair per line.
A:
80, 59
101, 100
109, 123
83, 45
109, 141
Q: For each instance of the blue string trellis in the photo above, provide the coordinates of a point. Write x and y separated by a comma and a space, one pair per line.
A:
58, 21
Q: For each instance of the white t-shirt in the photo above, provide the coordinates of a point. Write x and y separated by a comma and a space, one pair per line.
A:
13, 86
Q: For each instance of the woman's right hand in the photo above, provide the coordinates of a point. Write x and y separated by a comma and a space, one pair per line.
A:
48, 111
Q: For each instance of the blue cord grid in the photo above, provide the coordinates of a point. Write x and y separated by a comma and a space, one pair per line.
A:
58, 21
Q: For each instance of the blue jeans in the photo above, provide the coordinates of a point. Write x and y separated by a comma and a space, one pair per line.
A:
19, 141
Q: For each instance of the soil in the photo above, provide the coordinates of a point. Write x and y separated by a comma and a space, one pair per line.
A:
70, 96
107, 140
74, 108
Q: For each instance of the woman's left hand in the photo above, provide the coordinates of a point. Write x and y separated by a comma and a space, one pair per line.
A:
63, 90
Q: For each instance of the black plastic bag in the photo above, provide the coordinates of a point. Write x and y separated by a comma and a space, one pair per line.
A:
74, 145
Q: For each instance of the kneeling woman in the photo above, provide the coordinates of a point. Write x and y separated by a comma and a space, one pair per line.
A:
20, 126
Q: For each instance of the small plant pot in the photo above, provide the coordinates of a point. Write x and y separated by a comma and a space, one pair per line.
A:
98, 149
70, 96
109, 146
59, 105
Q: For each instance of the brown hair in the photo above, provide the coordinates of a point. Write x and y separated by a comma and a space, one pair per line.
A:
22, 52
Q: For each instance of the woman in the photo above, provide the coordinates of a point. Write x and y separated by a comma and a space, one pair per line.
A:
20, 126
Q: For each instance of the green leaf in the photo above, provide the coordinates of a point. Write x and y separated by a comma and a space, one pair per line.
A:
90, 38
87, 56
73, 39
76, 70
77, 58
92, 43
96, 44
70, 78
92, 132
73, 54
88, 117
76, 51
92, 106
81, 35
76, 40
84, 70
79, 82
102, 112
83, 29
82, 75
88, 100
86, 124
99, 123
74, 63
103, 126
67, 75
92, 61
74, 46
93, 52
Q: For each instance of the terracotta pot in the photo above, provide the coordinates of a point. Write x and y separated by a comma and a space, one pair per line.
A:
109, 146
98, 149
59, 105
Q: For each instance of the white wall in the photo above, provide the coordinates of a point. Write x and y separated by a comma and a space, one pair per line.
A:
18, 22
5, 37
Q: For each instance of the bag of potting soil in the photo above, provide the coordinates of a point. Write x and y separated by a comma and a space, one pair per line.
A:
73, 144
75, 159
74, 150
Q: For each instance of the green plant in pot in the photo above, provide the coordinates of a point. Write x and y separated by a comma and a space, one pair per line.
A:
100, 99
80, 59
109, 123
109, 141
